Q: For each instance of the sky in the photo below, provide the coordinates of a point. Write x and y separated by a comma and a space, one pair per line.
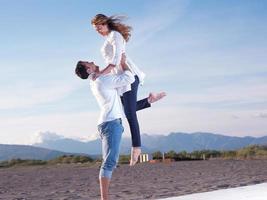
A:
209, 56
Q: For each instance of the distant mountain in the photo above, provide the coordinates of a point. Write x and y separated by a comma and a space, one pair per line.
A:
151, 143
8, 152
198, 141
72, 145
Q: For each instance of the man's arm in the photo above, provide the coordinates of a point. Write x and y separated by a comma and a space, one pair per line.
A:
123, 79
123, 63
110, 67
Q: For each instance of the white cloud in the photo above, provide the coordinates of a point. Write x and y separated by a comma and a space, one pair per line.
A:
187, 112
159, 119
261, 115
43, 136
171, 119
156, 18
240, 93
40, 137
24, 95
71, 125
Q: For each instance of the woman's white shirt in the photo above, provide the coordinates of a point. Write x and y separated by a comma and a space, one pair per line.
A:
112, 50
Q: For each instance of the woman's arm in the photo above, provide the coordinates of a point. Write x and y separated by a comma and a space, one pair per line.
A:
117, 44
111, 66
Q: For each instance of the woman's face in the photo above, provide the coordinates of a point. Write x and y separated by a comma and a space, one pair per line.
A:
102, 29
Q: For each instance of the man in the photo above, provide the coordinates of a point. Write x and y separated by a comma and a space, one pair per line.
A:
104, 88
109, 123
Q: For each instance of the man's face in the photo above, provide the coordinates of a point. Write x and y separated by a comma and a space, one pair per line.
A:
90, 67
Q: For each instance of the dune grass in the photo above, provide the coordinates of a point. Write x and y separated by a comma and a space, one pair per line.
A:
249, 152
65, 159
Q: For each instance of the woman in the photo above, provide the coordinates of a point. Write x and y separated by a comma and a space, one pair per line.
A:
113, 51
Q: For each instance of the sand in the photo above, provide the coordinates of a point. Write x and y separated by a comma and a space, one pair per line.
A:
251, 192
143, 181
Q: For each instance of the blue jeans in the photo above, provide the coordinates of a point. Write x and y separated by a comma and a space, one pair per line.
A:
110, 133
131, 105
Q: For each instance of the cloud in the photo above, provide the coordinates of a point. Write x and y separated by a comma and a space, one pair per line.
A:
26, 130
156, 18
228, 96
45, 136
162, 118
41, 137
261, 115
23, 95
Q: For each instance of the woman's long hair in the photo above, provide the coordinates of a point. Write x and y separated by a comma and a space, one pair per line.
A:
114, 23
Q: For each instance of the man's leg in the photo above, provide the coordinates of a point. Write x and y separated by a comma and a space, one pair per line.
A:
111, 133
104, 186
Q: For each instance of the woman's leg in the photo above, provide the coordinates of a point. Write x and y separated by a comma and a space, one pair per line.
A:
141, 104
146, 102
130, 106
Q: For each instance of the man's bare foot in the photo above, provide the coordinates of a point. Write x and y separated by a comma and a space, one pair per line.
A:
135, 153
153, 97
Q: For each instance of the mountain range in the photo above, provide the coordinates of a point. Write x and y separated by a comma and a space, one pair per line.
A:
8, 152
150, 143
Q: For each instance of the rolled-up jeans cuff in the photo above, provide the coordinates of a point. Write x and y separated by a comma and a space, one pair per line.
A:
105, 173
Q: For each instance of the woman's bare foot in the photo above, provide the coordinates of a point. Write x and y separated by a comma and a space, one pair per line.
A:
153, 97
135, 153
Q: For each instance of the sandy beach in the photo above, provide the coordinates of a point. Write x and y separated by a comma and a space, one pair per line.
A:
250, 192
144, 181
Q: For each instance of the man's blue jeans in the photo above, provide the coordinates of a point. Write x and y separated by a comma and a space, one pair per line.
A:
110, 133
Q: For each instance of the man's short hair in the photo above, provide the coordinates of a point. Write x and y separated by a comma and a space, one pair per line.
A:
81, 70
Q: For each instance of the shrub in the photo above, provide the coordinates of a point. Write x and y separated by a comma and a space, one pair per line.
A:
71, 159
157, 155
124, 159
21, 162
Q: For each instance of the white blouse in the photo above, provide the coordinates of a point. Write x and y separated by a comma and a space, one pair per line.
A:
112, 50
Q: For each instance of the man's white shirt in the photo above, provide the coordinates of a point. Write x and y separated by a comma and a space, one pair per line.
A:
104, 88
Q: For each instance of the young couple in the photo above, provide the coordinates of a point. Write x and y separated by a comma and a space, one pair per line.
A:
115, 89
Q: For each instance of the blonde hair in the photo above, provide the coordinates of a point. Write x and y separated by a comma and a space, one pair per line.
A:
113, 22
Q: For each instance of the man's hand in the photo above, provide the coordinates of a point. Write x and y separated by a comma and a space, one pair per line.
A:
123, 59
124, 66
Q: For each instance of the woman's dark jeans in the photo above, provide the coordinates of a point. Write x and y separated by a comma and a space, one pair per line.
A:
131, 105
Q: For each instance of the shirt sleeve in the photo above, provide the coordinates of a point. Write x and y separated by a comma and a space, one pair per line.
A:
119, 80
117, 43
